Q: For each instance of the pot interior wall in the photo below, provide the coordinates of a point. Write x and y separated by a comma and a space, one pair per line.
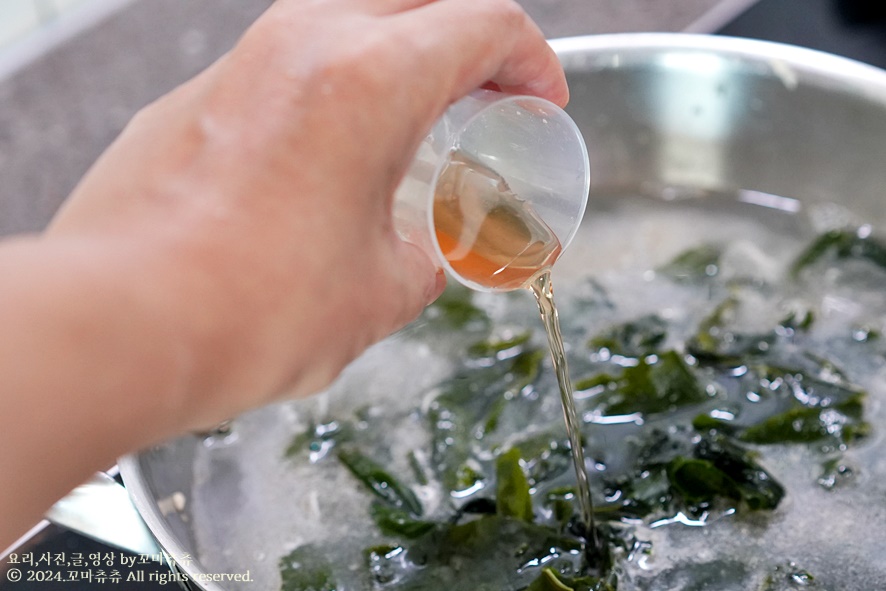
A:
697, 116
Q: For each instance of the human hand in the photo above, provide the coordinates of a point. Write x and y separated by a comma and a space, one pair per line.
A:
252, 205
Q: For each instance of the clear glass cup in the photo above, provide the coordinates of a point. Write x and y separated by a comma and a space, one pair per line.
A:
497, 190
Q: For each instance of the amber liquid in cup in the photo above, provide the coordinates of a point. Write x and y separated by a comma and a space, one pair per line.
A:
486, 233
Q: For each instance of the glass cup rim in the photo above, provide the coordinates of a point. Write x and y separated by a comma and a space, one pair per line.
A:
500, 100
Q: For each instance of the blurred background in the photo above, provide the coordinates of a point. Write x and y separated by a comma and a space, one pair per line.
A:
18, 18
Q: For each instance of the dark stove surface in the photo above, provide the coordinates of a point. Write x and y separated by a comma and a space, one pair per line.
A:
851, 28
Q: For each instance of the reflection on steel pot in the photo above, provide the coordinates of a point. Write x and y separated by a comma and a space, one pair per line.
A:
663, 116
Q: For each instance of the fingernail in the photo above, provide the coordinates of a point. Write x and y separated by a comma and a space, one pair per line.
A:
439, 285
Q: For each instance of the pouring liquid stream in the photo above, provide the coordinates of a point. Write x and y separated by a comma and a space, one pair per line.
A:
544, 294
492, 237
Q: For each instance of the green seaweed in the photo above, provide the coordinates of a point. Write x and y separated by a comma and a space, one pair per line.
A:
694, 264
398, 522
803, 424
492, 347
491, 552
380, 561
810, 409
789, 577
651, 386
512, 489
561, 502
640, 493
319, 438
469, 406
798, 320
714, 342
418, 468
840, 245
633, 339
687, 471
835, 472
864, 333
706, 422
768, 390
380, 482
306, 569
545, 455
467, 477
757, 488
700, 481
455, 309
550, 580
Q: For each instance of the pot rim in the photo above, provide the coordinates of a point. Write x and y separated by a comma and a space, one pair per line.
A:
789, 63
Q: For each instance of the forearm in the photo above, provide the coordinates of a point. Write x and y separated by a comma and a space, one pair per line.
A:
91, 367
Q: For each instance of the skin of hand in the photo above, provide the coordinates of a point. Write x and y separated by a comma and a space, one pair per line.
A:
235, 243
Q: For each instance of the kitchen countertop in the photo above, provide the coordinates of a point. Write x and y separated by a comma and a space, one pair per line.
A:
58, 112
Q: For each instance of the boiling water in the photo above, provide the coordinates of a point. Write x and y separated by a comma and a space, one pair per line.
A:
250, 505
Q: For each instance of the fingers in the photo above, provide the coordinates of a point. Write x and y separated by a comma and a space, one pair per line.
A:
369, 7
381, 7
471, 42
420, 282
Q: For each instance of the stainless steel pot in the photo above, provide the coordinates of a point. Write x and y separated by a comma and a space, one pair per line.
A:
659, 112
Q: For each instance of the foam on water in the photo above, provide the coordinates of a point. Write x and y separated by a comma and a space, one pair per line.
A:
251, 505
